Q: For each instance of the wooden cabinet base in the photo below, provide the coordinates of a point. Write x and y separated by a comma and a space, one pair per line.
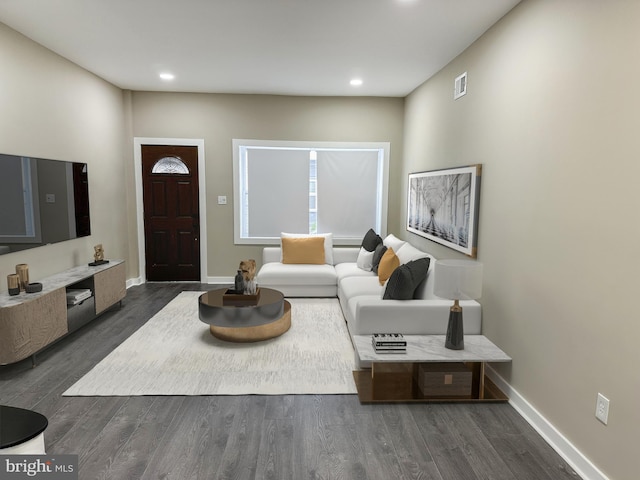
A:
400, 384
30, 322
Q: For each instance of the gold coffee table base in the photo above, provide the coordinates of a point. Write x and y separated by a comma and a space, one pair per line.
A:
255, 334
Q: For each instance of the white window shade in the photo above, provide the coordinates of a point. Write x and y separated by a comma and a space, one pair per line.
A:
278, 191
308, 187
348, 186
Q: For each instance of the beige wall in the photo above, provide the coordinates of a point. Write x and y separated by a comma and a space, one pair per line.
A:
50, 108
220, 118
552, 114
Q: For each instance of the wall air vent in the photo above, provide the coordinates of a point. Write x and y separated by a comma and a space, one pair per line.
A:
460, 86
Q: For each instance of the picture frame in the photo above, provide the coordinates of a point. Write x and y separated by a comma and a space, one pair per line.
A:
443, 206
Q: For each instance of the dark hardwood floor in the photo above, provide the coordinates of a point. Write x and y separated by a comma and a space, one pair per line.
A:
261, 437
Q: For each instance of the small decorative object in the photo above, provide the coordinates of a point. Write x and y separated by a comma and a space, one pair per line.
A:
250, 287
389, 343
22, 270
13, 283
98, 256
248, 268
33, 287
443, 206
457, 280
239, 283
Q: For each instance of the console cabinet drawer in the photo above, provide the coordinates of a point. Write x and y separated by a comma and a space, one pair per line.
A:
445, 380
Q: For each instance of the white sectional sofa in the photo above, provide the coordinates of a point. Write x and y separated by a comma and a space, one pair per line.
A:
360, 293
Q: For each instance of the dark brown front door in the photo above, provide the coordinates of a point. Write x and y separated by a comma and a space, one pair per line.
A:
171, 212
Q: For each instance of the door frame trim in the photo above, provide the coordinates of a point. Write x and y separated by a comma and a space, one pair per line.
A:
138, 142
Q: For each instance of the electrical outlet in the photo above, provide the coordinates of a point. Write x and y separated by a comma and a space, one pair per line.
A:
602, 408
222, 200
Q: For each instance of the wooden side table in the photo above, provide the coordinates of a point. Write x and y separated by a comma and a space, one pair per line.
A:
395, 377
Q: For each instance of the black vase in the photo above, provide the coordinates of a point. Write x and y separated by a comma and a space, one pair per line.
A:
455, 332
239, 283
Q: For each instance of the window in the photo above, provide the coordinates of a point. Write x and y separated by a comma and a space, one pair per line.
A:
170, 165
309, 187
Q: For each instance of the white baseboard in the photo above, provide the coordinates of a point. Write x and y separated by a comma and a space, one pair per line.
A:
132, 282
581, 464
221, 280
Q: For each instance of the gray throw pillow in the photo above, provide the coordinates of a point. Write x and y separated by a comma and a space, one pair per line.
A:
371, 240
377, 256
405, 279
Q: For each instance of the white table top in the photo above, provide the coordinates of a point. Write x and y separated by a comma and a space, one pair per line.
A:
54, 282
430, 348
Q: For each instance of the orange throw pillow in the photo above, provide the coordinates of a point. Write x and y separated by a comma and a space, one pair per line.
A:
303, 250
388, 263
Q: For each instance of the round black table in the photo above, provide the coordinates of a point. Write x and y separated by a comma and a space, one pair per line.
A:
269, 317
19, 426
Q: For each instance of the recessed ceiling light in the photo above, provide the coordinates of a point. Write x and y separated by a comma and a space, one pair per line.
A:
167, 76
356, 82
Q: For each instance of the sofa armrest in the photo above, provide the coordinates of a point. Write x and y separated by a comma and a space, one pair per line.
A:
271, 254
412, 317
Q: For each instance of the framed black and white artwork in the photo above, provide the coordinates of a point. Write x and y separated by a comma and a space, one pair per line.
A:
443, 206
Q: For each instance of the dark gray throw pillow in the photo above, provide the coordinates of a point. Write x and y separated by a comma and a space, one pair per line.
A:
405, 279
371, 240
377, 256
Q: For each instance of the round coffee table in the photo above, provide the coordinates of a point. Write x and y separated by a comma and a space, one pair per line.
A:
270, 317
21, 431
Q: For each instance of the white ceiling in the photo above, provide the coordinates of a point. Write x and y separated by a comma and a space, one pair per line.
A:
290, 47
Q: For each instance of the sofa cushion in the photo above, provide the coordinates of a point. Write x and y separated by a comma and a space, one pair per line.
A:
351, 287
391, 241
344, 270
371, 240
388, 264
309, 250
405, 279
277, 273
328, 243
365, 260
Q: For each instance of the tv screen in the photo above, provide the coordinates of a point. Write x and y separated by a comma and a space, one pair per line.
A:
43, 201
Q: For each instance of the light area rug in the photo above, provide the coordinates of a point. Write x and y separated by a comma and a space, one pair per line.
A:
174, 353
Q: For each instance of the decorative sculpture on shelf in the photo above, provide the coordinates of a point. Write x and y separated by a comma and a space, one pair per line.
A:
98, 256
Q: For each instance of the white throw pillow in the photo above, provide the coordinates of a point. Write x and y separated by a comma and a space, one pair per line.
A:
365, 260
391, 241
328, 243
408, 252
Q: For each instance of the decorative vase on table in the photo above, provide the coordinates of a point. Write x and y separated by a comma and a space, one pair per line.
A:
239, 282
13, 284
22, 270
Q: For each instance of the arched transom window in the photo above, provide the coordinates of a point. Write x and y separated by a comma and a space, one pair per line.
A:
172, 165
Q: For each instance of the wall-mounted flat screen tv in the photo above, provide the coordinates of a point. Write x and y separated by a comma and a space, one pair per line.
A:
42, 201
